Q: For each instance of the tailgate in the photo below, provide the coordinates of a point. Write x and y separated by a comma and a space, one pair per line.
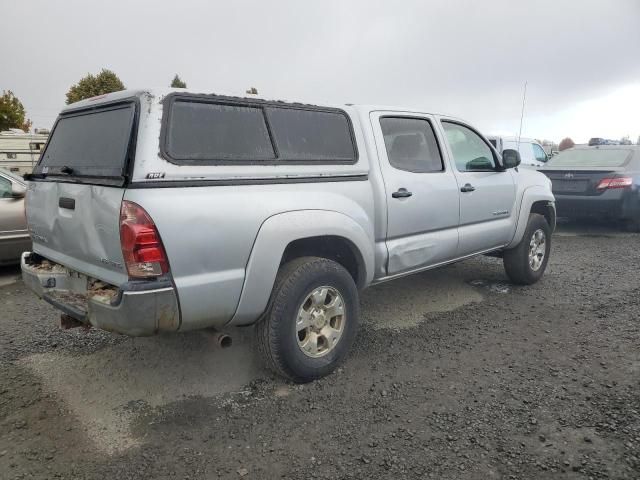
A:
78, 226
73, 202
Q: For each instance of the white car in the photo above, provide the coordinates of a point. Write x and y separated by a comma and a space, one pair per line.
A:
531, 152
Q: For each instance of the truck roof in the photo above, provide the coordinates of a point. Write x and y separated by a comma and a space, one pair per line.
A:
510, 138
161, 92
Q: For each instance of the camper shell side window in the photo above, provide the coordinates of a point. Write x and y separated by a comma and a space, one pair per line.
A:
214, 130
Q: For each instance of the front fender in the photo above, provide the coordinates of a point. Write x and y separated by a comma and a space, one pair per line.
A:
272, 240
535, 193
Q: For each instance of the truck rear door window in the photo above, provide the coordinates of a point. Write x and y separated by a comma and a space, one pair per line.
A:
411, 144
90, 143
197, 131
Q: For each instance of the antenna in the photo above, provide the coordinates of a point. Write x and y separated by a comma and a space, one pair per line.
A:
524, 97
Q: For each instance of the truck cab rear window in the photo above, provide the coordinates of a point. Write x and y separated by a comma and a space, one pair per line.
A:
199, 132
91, 143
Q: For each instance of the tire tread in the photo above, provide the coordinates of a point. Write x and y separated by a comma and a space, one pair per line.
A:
266, 328
514, 259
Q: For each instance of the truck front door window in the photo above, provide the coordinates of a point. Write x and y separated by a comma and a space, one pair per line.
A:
470, 152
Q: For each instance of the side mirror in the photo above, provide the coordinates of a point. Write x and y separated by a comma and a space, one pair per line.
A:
18, 191
510, 158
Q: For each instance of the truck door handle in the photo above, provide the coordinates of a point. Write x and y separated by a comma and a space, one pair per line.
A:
468, 188
68, 203
401, 193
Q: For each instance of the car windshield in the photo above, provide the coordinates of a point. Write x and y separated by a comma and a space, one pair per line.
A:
12, 176
593, 157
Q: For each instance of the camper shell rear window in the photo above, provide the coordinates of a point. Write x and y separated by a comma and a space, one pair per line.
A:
93, 142
214, 130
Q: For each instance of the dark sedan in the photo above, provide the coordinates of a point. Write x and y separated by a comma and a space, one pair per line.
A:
601, 181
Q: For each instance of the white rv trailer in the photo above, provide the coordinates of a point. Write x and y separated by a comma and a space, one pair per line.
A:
20, 151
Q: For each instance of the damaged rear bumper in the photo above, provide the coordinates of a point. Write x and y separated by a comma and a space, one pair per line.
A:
136, 308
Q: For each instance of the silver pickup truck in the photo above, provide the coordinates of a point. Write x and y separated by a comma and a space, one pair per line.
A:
165, 210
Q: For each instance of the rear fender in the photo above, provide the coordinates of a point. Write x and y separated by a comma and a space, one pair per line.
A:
530, 196
272, 240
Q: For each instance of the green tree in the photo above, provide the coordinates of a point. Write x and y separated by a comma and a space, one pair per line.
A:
92, 85
177, 82
12, 114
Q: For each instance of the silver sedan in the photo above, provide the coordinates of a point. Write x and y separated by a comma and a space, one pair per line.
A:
14, 237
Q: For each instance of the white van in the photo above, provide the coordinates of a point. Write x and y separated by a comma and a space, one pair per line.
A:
531, 152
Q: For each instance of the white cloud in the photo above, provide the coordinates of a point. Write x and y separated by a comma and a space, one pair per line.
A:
610, 116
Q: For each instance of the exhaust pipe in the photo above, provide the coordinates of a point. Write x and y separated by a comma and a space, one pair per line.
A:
222, 340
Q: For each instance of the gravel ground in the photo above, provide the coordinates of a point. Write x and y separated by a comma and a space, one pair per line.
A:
508, 382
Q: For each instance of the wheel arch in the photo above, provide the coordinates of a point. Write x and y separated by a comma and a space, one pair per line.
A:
289, 235
535, 199
548, 211
334, 247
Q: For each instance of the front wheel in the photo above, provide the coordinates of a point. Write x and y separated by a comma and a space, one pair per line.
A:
311, 321
526, 262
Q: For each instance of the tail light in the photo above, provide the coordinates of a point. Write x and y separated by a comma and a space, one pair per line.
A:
618, 182
142, 248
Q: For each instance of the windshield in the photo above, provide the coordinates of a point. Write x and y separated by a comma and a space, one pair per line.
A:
594, 157
11, 176
90, 143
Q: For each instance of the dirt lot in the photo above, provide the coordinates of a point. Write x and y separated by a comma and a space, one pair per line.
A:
455, 374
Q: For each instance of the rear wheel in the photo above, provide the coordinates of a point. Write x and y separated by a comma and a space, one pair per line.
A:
526, 262
311, 321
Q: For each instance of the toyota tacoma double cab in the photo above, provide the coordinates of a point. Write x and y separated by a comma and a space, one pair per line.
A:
169, 210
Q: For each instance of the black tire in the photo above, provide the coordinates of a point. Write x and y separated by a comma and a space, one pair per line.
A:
516, 260
276, 335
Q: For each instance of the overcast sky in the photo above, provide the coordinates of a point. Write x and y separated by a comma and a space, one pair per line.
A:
465, 58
